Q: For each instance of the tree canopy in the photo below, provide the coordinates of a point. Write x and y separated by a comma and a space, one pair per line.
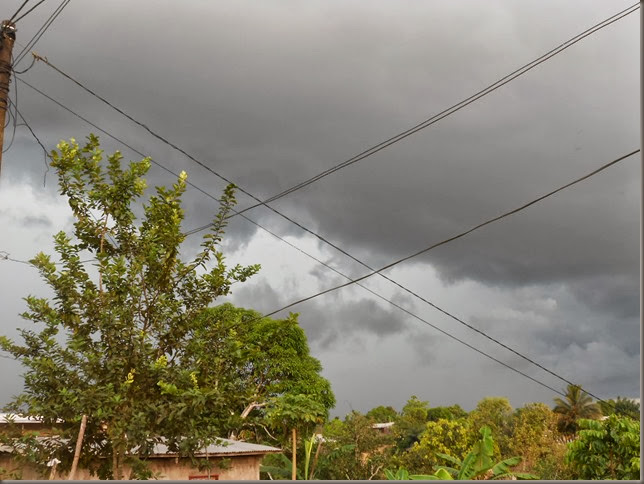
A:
260, 365
608, 449
113, 341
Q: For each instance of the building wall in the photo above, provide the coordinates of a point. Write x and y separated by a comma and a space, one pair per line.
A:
241, 468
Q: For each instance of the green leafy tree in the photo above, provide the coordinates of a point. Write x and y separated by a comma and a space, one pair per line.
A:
608, 449
254, 361
293, 412
411, 422
382, 414
577, 404
452, 437
534, 435
355, 450
109, 343
495, 413
477, 464
453, 412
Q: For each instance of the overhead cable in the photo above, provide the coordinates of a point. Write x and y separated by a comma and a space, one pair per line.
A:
451, 110
5, 256
41, 31
306, 253
45, 153
374, 149
458, 236
18, 11
26, 13
36, 56
426, 123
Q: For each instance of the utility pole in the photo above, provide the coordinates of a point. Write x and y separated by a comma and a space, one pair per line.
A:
79, 445
7, 37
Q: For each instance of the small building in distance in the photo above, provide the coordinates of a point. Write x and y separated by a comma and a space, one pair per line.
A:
384, 427
9, 421
229, 459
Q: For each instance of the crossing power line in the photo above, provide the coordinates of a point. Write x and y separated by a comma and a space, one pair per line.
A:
414, 294
18, 11
398, 306
492, 87
391, 140
461, 234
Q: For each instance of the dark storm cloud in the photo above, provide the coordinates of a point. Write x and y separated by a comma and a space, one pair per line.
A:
613, 294
269, 94
272, 98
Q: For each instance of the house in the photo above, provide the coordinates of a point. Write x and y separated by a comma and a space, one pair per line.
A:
229, 459
384, 427
26, 424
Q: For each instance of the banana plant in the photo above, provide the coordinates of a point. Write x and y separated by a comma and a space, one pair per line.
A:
403, 475
478, 463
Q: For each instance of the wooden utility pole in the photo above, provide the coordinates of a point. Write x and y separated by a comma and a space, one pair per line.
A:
79, 444
294, 463
7, 37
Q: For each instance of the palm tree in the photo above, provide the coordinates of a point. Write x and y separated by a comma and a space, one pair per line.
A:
621, 406
577, 404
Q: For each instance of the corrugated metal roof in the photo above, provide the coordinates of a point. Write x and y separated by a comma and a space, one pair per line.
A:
382, 425
21, 419
11, 417
226, 447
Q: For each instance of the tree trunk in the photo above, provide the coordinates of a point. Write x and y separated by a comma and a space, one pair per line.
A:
315, 459
115, 464
117, 461
77, 451
294, 469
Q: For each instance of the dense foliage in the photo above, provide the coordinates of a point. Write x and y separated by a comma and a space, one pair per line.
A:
129, 342
608, 449
492, 441
134, 344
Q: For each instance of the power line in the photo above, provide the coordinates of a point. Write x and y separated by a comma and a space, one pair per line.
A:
311, 256
18, 11
462, 234
374, 149
27, 12
5, 256
13, 104
458, 236
323, 239
11, 120
451, 110
67, 76
370, 151
46, 154
37, 36
387, 143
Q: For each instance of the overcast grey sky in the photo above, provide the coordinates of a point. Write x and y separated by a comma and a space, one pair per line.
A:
271, 93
